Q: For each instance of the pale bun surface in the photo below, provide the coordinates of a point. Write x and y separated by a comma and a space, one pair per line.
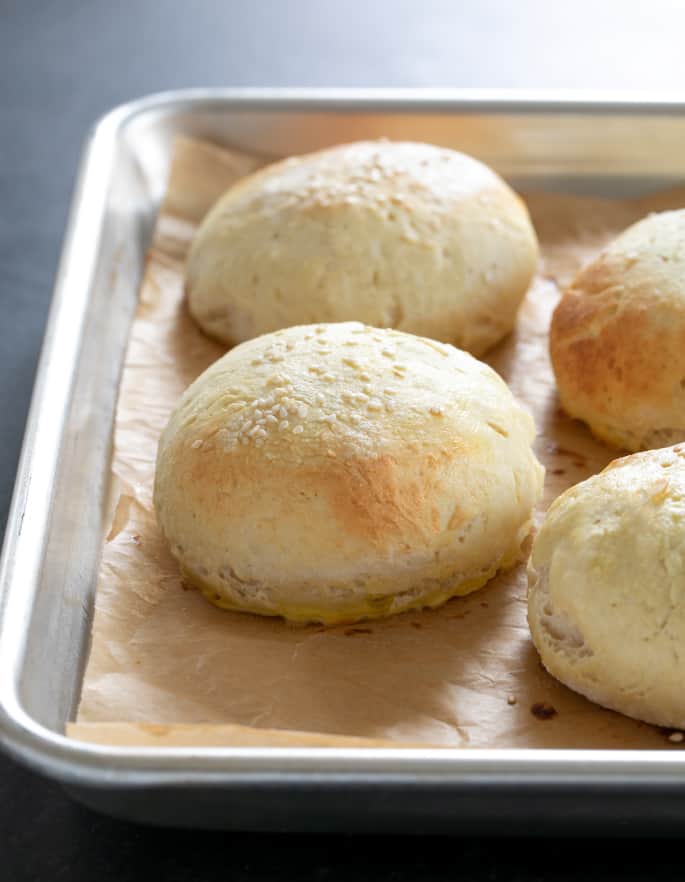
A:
617, 338
606, 604
392, 234
338, 472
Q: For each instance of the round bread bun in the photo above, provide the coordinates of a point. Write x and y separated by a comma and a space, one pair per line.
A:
617, 338
401, 235
606, 601
337, 472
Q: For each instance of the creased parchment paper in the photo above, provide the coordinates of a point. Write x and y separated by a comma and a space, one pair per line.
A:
465, 675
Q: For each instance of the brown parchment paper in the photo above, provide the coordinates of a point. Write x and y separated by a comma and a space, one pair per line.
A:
464, 675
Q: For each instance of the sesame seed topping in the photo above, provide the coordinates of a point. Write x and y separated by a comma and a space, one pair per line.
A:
390, 391
283, 425
271, 419
436, 410
254, 430
351, 362
360, 397
320, 400
298, 430
676, 737
354, 418
329, 378
302, 411
257, 413
374, 404
388, 353
319, 330
282, 412
256, 361
196, 444
364, 377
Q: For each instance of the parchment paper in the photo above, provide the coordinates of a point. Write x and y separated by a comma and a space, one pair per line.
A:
465, 675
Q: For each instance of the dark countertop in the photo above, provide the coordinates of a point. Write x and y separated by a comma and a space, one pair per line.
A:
64, 64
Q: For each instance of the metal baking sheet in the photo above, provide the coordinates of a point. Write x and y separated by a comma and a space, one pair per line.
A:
608, 145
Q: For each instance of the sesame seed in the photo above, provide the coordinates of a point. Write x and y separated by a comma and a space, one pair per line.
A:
364, 377
282, 412
361, 397
254, 430
302, 411
246, 425
270, 418
374, 404
319, 398
389, 391
319, 330
388, 353
354, 418
283, 425
436, 410
256, 361
298, 430
196, 444
351, 362
676, 737
276, 357
329, 378
511, 699
257, 413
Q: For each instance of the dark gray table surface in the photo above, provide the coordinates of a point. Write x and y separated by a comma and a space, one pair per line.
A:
64, 64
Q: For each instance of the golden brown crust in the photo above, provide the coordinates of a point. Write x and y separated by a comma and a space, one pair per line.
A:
617, 338
331, 469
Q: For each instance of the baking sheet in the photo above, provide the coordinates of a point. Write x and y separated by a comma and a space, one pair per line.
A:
465, 675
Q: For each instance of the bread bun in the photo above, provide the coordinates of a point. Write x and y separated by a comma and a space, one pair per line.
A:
606, 603
337, 472
400, 235
617, 339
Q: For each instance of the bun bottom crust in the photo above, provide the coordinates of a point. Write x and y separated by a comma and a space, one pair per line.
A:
428, 593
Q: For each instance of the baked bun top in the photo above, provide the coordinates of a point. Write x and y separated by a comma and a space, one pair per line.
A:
340, 471
606, 602
393, 234
617, 338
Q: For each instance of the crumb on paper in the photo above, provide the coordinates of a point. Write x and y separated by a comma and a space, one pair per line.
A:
511, 700
543, 711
